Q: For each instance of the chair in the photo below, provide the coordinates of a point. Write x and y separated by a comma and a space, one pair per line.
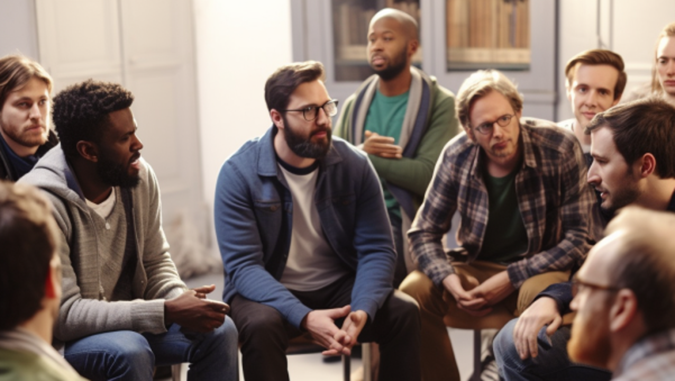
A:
304, 345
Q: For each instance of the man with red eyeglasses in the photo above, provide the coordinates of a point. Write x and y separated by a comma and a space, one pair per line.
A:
625, 299
525, 208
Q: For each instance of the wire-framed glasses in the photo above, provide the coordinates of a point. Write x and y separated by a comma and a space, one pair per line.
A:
487, 127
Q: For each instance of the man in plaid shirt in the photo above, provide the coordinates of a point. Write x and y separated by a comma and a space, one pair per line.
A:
520, 188
624, 296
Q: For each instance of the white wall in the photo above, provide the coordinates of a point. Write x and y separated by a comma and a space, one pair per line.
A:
628, 27
18, 33
239, 44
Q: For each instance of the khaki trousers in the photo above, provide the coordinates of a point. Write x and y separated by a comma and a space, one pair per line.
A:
438, 309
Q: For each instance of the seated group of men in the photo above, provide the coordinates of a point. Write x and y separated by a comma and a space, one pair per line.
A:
312, 229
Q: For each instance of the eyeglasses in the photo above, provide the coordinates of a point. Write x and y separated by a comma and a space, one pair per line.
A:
311, 112
487, 127
578, 285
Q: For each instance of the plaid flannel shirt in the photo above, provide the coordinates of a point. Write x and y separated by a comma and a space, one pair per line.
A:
554, 199
650, 359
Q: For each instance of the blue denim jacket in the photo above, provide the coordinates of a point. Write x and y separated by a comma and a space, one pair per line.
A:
253, 218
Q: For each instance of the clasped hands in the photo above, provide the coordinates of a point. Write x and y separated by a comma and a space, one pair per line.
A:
193, 312
337, 341
480, 298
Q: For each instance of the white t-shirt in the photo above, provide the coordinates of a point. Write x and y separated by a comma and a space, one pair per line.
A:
311, 263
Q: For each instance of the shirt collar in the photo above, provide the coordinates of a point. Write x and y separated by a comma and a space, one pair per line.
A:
646, 347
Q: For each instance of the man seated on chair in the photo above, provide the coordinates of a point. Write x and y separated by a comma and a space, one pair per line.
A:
305, 239
633, 150
124, 307
625, 299
30, 287
520, 188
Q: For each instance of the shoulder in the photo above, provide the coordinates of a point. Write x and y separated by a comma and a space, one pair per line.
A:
459, 147
547, 136
348, 152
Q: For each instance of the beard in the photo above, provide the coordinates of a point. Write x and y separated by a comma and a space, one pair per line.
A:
115, 174
304, 146
590, 345
624, 195
23, 139
395, 68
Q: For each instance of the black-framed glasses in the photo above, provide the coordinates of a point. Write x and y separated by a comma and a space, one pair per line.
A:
487, 127
578, 285
311, 112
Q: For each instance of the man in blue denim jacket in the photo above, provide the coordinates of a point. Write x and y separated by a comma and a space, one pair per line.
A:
305, 239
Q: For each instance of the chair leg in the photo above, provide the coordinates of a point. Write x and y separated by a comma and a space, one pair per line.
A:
477, 367
176, 371
366, 357
346, 367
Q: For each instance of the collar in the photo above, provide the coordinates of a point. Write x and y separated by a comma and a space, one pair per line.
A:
525, 140
645, 348
20, 339
267, 156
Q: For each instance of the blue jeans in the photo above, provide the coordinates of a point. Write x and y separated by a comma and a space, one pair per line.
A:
128, 355
552, 362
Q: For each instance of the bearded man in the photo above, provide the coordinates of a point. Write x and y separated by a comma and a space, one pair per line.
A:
124, 308
305, 239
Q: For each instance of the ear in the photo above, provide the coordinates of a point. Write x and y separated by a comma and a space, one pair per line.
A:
568, 89
53, 283
615, 102
624, 310
413, 45
277, 118
88, 150
470, 133
647, 164
519, 114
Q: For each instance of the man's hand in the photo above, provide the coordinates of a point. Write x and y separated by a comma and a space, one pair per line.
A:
348, 335
540, 313
494, 289
194, 312
382, 146
471, 304
321, 325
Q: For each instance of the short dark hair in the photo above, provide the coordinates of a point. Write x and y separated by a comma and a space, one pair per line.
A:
28, 238
81, 111
16, 70
640, 127
283, 82
644, 263
599, 57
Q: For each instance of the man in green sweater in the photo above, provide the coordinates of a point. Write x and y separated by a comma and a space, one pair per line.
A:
402, 118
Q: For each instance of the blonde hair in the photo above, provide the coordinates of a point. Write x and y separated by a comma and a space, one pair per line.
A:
480, 84
668, 31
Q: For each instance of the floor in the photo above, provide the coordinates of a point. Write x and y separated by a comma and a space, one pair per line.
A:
311, 367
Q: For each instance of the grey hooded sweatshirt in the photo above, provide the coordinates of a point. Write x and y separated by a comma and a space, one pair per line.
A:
87, 307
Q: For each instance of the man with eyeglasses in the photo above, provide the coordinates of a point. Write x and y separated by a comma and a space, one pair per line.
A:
305, 240
402, 118
632, 149
520, 189
624, 296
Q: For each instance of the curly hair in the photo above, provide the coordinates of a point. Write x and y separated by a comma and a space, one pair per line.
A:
81, 111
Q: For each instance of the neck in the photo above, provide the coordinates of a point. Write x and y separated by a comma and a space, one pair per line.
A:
397, 85
93, 188
584, 139
19, 149
285, 153
40, 325
670, 98
657, 193
500, 167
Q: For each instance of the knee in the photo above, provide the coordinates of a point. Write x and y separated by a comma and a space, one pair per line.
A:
417, 285
130, 349
260, 325
227, 332
503, 343
406, 309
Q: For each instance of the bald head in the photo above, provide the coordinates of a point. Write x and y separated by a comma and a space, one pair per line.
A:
643, 260
406, 22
